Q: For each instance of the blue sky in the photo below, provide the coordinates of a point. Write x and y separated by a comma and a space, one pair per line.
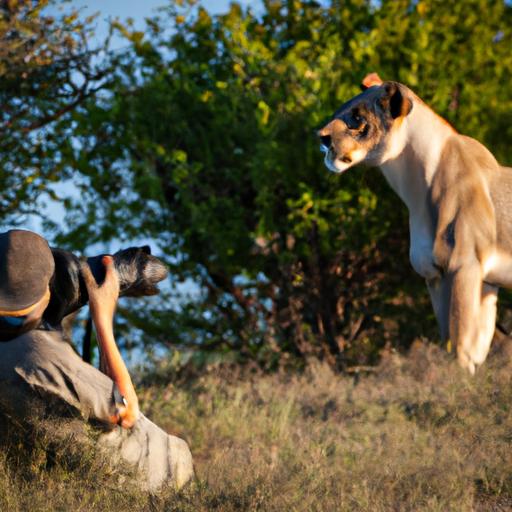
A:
138, 10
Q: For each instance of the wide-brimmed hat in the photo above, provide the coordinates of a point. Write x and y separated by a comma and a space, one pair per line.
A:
26, 267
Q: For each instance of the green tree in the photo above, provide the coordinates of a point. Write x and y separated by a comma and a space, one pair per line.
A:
206, 144
47, 69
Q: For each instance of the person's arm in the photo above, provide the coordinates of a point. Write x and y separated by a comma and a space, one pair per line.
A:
102, 304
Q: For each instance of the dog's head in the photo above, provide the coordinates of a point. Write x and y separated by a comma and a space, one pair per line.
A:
138, 270
361, 130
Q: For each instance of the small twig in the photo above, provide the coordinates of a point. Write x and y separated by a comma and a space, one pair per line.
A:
359, 369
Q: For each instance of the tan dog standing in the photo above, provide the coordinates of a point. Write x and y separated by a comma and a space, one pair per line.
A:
458, 200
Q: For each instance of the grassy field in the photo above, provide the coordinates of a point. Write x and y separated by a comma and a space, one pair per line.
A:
415, 434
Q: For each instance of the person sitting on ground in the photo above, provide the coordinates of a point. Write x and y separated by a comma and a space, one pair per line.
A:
35, 361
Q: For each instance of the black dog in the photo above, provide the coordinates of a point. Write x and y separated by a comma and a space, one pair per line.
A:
139, 272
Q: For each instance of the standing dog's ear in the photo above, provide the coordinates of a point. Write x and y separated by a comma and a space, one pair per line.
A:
370, 80
394, 101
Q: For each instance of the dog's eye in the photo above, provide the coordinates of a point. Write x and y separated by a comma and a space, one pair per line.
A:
354, 121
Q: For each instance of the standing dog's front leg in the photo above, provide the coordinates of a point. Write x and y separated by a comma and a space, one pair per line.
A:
472, 315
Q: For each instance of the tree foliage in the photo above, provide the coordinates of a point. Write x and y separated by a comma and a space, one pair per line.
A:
47, 69
204, 142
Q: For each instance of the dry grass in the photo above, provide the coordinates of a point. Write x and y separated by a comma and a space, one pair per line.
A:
417, 434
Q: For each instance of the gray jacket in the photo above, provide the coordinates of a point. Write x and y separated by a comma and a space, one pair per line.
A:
40, 365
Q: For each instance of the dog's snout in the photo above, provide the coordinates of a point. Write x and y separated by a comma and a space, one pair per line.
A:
155, 271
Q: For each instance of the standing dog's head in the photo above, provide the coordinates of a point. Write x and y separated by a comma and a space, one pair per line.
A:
361, 129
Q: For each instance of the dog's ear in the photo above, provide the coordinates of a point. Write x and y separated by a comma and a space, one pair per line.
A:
394, 101
146, 249
370, 80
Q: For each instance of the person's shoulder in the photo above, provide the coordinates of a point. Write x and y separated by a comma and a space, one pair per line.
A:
39, 337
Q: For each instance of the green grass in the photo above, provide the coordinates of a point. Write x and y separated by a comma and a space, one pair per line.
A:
416, 434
